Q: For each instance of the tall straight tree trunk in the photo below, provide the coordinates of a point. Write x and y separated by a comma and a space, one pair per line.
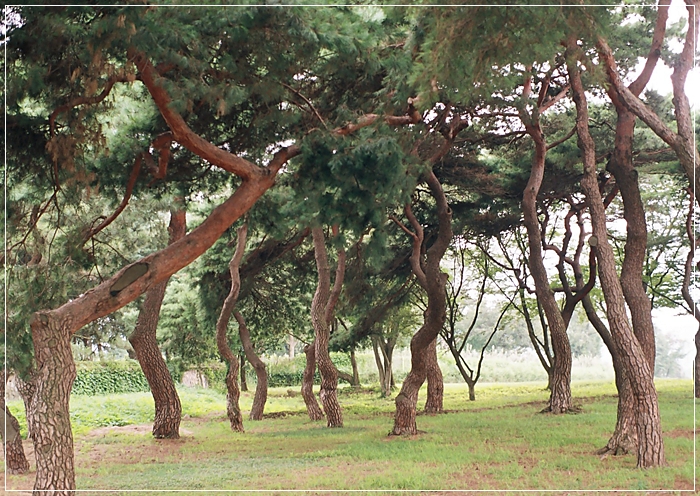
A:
256, 411
650, 447
322, 307
560, 377
166, 423
15, 460
433, 402
307, 383
432, 280
233, 410
244, 378
355, 371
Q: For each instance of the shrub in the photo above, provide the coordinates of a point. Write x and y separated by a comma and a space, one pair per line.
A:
124, 376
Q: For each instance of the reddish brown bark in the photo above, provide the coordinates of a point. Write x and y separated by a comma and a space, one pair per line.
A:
307, 383
682, 142
560, 379
166, 423
15, 460
256, 411
650, 448
426, 268
322, 307
433, 401
233, 410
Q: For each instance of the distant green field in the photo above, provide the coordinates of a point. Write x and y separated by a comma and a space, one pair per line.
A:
499, 442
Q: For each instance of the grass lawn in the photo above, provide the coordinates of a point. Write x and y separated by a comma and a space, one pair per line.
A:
499, 442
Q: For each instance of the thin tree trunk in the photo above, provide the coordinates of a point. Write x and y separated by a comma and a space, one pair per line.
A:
320, 318
166, 423
432, 280
15, 460
433, 402
307, 383
355, 372
560, 380
697, 363
650, 447
233, 410
26, 391
256, 411
244, 378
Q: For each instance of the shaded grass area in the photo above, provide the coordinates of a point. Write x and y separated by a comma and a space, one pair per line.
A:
499, 442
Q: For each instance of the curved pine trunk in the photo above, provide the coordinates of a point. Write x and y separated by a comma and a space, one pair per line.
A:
166, 424
307, 383
233, 393
256, 411
320, 321
432, 280
433, 402
560, 400
15, 460
650, 446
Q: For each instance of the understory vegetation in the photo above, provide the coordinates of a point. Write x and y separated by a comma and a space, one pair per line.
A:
498, 442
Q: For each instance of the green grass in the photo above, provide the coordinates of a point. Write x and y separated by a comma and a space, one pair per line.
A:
498, 442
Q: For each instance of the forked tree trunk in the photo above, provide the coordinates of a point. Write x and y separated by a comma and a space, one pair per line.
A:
166, 424
383, 353
650, 447
233, 410
50, 406
256, 411
432, 280
52, 329
321, 315
307, 383
560, 379
15, 460
433, 402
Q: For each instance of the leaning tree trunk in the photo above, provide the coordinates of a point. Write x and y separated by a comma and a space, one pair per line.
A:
321, 315
560, 379
233, 410
256, 411
432, 280
307, 383
433, 402
15, 460
650, 446
166, 424
50, 406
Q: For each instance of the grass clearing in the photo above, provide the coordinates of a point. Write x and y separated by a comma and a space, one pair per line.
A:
498, 442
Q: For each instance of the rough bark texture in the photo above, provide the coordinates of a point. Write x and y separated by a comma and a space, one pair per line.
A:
233, 410
432, 280
49, 407
650, 448
26, 391
624, 437
167, 403
244, 377
321, 315
15, 460
560, 379
433, 402
256, 411
307, 383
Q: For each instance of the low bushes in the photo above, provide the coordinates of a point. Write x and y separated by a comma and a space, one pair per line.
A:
124, 376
